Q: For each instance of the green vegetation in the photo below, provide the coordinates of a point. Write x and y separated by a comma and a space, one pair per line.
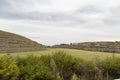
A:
9, 69
59, 64
87, 55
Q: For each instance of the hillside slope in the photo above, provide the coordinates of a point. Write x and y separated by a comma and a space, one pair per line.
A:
87, 55
93, 46
10, 42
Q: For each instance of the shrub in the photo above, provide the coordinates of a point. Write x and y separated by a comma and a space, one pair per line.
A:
59, 66
85, 70
9, 69
35, 68
66, 64
110, 68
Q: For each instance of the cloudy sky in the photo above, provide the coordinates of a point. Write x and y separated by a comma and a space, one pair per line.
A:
62, 21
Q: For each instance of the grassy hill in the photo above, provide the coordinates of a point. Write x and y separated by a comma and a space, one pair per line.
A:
93, 46
87, 55
10, 42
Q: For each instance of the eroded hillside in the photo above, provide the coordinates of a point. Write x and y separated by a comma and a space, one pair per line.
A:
10, 42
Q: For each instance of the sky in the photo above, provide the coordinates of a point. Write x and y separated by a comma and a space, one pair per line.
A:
53, 22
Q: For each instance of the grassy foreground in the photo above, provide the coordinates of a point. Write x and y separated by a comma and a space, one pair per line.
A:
88, 55
59, 64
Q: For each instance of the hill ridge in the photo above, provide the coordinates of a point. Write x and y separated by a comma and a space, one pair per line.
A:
101, 46
11, 42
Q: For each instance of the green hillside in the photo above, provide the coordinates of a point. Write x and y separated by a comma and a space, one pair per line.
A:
10, 42
87, 55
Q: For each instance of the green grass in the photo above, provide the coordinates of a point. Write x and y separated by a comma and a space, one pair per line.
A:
88, 55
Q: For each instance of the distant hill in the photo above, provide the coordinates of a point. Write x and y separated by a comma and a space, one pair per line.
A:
10, 42
93, 46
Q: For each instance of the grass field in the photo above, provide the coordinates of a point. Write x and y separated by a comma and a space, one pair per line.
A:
88, 55
32, 66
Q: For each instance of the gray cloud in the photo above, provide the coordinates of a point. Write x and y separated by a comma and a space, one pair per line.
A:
89, 9
63, 21
113, 18
47, 18
79, 16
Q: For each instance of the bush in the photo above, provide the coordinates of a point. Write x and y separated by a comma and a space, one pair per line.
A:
9, 69
66, 64
59, 66
110, 68
35, 68
85, 70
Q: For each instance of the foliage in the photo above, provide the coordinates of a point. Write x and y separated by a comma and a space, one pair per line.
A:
66, 64
59, 66
110, 67
35, 68
9, 69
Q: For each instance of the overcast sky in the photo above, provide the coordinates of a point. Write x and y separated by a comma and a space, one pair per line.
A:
62, 21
